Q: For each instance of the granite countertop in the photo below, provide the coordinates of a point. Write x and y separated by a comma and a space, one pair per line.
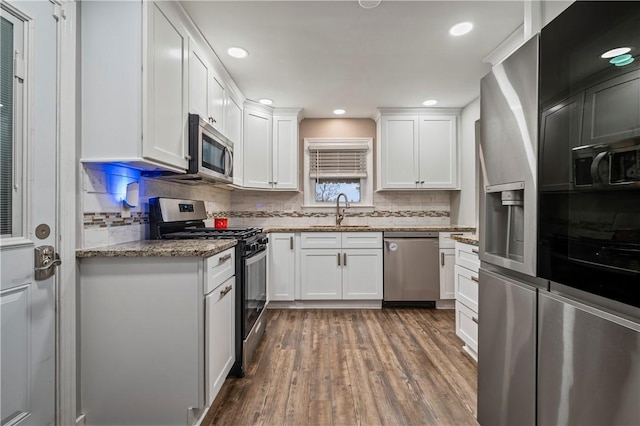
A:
467, 239
365, 228
159, 248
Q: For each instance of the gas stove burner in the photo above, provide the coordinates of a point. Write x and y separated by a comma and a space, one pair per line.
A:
212, 234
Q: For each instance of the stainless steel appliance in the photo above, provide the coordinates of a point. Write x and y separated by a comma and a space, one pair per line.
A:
508, 203
588, 363
589, 216
210, 155
411, 270
177, 219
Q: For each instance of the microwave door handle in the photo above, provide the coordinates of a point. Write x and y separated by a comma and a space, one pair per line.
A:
596, 165
229, 159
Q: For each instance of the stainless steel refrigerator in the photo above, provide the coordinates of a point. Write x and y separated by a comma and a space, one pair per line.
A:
507, 285
559, 284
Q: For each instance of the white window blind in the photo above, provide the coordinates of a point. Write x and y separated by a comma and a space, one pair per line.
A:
335, 160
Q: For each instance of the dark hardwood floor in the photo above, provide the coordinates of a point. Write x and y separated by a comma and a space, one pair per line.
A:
353, 367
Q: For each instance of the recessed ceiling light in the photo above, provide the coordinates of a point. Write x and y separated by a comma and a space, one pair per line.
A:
461, 28
339, 111
615, 52
368, 4
430, 102
237, 52
266, 101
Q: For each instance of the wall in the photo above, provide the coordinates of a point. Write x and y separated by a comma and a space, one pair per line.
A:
464, 203
258, 208
107, 221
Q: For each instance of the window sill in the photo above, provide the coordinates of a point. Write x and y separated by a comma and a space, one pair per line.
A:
323, 209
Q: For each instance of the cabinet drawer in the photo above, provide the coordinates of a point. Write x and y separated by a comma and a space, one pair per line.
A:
446, 241
467, 256
467, 287
361, 240
219, 268
319, 240
466, 326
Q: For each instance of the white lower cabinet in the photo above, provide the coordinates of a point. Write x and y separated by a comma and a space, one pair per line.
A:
321, 275
152, 333
220, 336
466, 293
341, 272
362, 274
447, 284
282, 269
447, 261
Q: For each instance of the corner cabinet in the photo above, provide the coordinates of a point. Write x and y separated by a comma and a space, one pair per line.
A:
134, 85
345, 266
270, 147
418, 151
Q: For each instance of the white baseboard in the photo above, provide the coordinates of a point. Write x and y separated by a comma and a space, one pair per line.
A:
446, 304
325, 304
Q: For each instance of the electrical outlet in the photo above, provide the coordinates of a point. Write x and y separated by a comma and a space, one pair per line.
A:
95, 181
288, 208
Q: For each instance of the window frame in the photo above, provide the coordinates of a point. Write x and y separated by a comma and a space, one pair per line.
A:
22, 28
366, 183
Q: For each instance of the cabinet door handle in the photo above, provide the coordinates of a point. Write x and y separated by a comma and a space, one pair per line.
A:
474, 319
224, 258
421, 181
474, 278
455, 233
290, 243
338, 259
345, 259
417, 182
474, 251
442, 259
225, 290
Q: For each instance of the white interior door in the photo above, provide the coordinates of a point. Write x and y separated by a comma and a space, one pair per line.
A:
28, 214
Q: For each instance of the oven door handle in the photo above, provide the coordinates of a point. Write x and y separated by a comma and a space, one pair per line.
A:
257, 257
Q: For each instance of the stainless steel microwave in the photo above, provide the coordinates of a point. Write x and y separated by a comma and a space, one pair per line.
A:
607, 166
210, 155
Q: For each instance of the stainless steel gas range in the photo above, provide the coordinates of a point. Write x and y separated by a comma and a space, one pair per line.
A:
175, 219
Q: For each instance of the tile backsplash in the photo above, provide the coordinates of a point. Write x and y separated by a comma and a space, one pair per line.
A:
256, 208
106, 220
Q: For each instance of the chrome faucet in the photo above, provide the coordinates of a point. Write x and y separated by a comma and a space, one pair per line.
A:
340, 216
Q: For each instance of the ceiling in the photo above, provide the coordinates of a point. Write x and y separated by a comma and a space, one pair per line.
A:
323, 55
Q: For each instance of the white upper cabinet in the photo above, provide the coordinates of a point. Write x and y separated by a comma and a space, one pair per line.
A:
418, 151
233, 130
206, 88
270, 148
285, 152
438, 152
132, 117
258, 129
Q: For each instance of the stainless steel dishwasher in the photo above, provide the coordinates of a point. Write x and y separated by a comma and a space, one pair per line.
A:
411, 269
